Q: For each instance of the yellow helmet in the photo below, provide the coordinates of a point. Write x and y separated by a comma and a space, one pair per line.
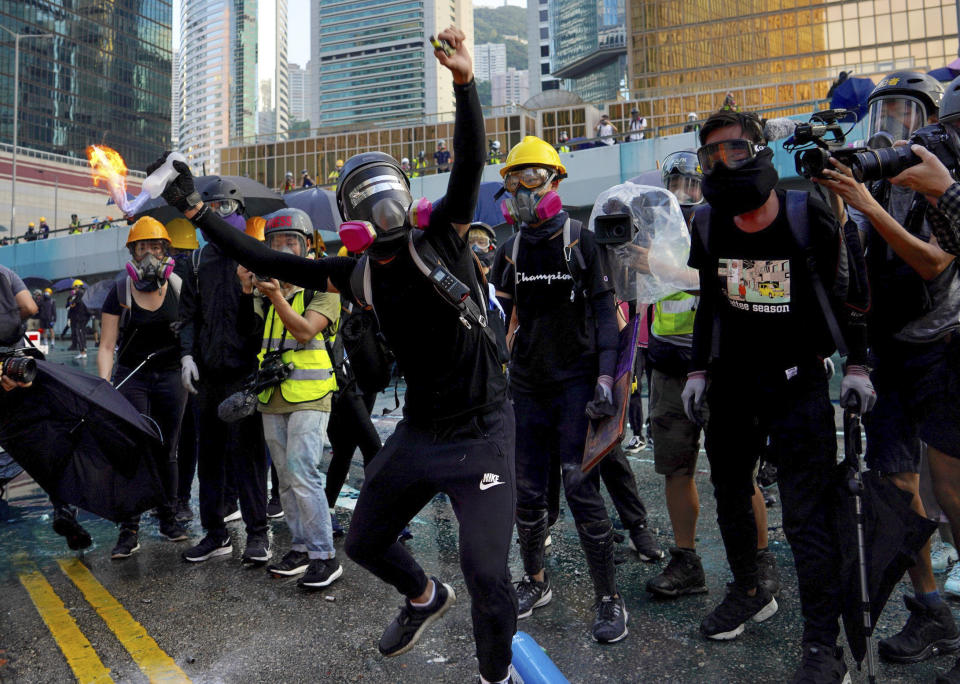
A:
43, 219
342, 252
339, 163
533, 151
77, 283
147, 228
182, 234
255, 226
48, 291
31, 225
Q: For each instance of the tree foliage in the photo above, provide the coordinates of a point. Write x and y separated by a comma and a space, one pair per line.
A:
492, 24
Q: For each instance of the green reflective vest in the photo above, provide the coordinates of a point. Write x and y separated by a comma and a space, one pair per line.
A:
674, 315
563, 148
312, 376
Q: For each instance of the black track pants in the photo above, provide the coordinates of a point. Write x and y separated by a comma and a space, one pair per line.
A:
472, 463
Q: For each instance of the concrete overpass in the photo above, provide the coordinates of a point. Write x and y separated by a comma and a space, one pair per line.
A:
99, 254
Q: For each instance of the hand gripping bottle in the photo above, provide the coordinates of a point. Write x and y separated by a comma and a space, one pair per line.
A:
155, 183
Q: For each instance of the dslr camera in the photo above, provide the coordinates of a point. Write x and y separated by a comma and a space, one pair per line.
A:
18, 364
243, 403
825, 132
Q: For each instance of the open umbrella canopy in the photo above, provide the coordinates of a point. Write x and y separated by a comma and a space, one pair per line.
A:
35, 283
852, 94
82, 441
944, 74
258, 199
320, 204
64, 284
97, 293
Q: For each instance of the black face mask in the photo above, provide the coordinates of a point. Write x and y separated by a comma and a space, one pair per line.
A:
735, 192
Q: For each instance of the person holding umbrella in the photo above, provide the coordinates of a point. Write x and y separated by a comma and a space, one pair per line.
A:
139, 317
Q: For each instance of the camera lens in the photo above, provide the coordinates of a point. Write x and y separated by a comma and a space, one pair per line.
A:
20, 368
871, 165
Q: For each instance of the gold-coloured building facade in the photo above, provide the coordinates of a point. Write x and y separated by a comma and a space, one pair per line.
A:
685, 55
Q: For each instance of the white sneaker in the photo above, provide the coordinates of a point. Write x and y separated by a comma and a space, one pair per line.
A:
942, 555
232, 517
635, 445
952, 586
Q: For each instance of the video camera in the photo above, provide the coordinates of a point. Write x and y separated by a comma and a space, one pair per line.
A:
243, 403
18, 364
873, 162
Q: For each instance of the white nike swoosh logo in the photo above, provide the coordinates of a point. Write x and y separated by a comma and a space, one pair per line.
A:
489, 485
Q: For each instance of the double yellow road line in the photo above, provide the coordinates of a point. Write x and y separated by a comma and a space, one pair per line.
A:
79, 652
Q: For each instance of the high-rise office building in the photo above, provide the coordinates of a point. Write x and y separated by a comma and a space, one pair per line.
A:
371, 61
273, 85
176, 99
205, 74
489, 59
588, 47
104, 76
684, 55
538, 47
510, 88
299, 92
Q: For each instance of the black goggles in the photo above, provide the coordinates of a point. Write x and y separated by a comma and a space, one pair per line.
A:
731, 153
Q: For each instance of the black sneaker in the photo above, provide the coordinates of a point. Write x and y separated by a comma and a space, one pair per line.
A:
184, 512
768, 574
321, 573
401, 634
727, 620
209, 547
683, 575
635, 445
292, 563
257, 551
532, 594
127, 544
173, 530
405, 535
821, 665
335, 525
929, 631
951, 677
610, 624
77, 537
274, 509
645, 544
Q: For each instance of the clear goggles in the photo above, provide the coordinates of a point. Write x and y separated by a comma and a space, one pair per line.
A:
529, 177
284, 242
225, 207
480, 238
897, 116
142, 247
686, 189
731, 153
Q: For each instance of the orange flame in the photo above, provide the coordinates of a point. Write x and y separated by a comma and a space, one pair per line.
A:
108, 166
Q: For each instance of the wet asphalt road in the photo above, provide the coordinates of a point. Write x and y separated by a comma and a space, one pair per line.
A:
221, 622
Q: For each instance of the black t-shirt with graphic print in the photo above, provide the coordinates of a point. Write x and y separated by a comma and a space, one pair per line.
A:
769, 316
555, 341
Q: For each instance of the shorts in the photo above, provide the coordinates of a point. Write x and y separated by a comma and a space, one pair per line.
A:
918, 399
676, 439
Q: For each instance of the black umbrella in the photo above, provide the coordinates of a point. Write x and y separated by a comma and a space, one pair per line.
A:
35, 283
892, 535
320, 204
82, 442
258, 199
96, 294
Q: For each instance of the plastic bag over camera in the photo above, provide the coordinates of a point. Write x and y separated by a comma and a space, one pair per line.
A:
643, 242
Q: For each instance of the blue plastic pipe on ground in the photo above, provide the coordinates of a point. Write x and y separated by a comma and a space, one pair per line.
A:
532, 663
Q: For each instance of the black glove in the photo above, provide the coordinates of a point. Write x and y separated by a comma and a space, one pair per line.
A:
180, 192
602, 404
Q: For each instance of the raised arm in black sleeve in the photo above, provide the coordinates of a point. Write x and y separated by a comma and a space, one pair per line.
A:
257, 257
469, 138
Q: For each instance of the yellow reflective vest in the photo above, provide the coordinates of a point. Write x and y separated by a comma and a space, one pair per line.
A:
312, 376
674, 315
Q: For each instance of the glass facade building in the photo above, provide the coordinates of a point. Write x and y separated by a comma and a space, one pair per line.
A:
105, 76
588, 47
370, 60
273, 81
685, 55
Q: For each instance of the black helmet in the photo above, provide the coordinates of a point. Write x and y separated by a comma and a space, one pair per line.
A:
225, 191
950, 104
912, 84
288, 221
295, 221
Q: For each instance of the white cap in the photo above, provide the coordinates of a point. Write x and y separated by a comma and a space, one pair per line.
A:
692, 116
404, 161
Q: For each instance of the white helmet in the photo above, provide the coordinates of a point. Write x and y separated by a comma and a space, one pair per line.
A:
404, 161
692, 116
496, 144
